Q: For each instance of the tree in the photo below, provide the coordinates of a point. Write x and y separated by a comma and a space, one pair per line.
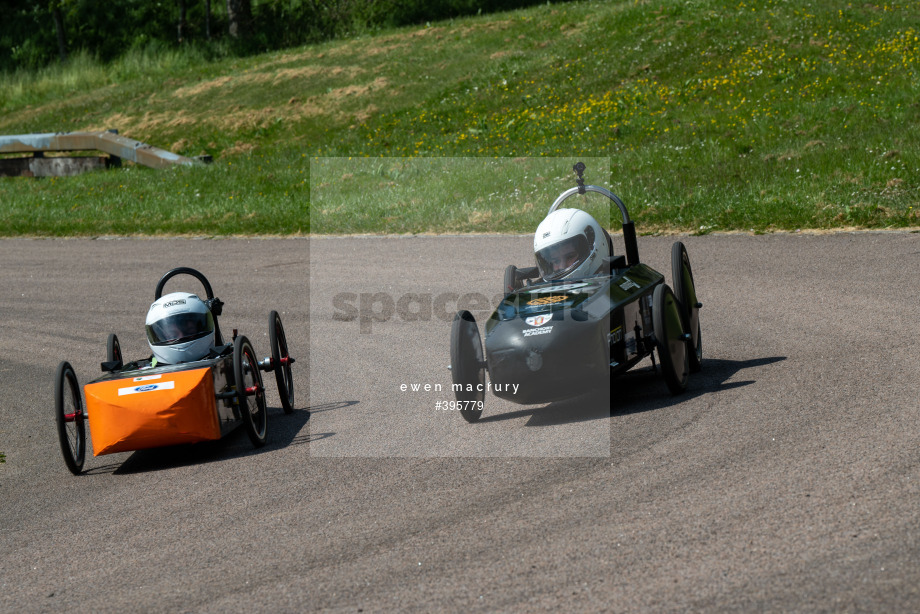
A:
239, 14
58, 17
182, 23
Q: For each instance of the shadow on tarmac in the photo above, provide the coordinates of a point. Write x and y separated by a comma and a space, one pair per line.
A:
634, 392
645, 390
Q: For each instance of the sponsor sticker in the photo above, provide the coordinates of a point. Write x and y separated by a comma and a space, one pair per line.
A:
560, 288
147, 377
146, 388
616, 334
547, 300
539, 320
180, 301
628, 284
538, 331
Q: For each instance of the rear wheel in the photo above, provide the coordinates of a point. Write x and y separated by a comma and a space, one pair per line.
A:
68, 412
512, 283
250, 392
281, 361
685, 289
113, 349
466, 366
671, 338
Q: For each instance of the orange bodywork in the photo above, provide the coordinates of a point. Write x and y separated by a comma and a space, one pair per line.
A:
151, 411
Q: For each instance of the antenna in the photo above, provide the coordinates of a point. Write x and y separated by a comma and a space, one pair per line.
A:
579, 169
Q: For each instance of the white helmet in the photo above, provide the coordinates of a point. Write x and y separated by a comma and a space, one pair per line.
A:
180, 328
569, 244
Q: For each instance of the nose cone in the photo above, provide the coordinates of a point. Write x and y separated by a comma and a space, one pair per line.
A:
561, 357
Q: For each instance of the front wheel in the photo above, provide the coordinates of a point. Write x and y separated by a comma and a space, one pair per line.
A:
685, 289
68, 413
466, 366
671, 338
281, 361
250, 392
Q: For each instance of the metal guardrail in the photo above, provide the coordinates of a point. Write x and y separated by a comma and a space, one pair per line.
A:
109, 142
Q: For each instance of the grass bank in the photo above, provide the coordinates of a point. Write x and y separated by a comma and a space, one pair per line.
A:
757, 116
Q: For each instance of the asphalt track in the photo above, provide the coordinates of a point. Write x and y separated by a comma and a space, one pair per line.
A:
786, 478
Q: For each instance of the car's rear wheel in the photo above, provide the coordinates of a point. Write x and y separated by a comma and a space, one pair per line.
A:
281, 361
671, 338
68, 413
685, 289
113, 349
250, 392
467, 366
512, 283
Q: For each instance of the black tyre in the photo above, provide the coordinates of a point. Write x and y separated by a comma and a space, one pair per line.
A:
113, 350
671, 338
466, 365
281, 361
512, 283
250, 392
685, 289
68, 413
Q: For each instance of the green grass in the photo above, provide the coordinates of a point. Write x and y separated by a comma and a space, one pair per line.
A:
759, 115
444, 194
273, 199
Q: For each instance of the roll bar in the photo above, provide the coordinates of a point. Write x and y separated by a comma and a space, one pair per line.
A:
629, 228
215, 305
